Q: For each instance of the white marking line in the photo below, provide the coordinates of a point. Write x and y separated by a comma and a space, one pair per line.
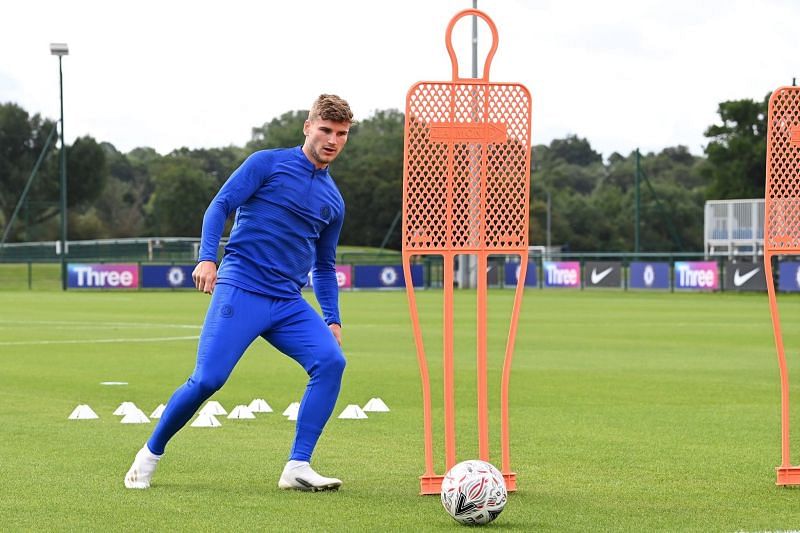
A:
84, 327
98, 341
102, 324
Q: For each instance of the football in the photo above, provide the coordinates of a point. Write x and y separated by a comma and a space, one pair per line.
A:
474, 492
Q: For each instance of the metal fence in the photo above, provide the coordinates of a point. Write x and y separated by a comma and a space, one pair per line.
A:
37, 265
148, 249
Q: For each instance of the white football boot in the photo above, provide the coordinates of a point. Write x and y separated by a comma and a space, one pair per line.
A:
299, 475
144, 464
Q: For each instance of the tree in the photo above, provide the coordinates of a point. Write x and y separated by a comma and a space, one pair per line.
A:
121, 205
286, 130
182, 194
112, 194
575, 151
217, 162
593, 204
120, 209
87, 172
736, 155
369, 174
22, 138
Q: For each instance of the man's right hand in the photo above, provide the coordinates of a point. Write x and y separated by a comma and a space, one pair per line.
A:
205, 276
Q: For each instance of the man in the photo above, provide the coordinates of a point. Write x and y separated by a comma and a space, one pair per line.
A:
289, 213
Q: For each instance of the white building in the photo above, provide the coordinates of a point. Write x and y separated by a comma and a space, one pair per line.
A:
734, 228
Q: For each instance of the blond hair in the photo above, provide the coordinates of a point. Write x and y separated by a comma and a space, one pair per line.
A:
331, 107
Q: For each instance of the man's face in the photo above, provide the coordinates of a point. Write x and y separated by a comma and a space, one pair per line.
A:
324, 140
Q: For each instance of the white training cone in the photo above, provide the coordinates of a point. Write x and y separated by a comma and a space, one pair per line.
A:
206, 421
259, 405
213, 408
82, 412
135, 416
241, 411
376, 405
124, 408
158, 411
353, 411
292, 410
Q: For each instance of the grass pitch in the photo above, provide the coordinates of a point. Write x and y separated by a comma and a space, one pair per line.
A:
629, 412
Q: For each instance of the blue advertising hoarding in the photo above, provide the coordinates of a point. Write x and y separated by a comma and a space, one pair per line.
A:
385, 277
648, 275
167, 276
512, 274
344, 277
788, 280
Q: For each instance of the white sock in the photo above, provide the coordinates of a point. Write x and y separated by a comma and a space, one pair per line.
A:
294, 464
151, 454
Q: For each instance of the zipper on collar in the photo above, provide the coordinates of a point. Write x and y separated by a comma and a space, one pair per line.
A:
311, 181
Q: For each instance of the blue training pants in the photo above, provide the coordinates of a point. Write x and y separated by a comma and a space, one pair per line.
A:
235, 318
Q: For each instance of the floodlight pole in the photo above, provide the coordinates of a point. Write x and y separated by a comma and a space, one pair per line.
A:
63, 167
474, 41
638, 200
549, 216
468, 264
60, 50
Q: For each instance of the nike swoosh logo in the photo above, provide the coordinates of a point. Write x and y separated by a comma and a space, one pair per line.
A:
597, 277
741, 279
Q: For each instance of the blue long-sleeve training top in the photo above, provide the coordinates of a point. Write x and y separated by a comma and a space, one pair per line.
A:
288, 218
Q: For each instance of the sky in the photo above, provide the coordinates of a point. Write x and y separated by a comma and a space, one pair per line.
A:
623, 74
